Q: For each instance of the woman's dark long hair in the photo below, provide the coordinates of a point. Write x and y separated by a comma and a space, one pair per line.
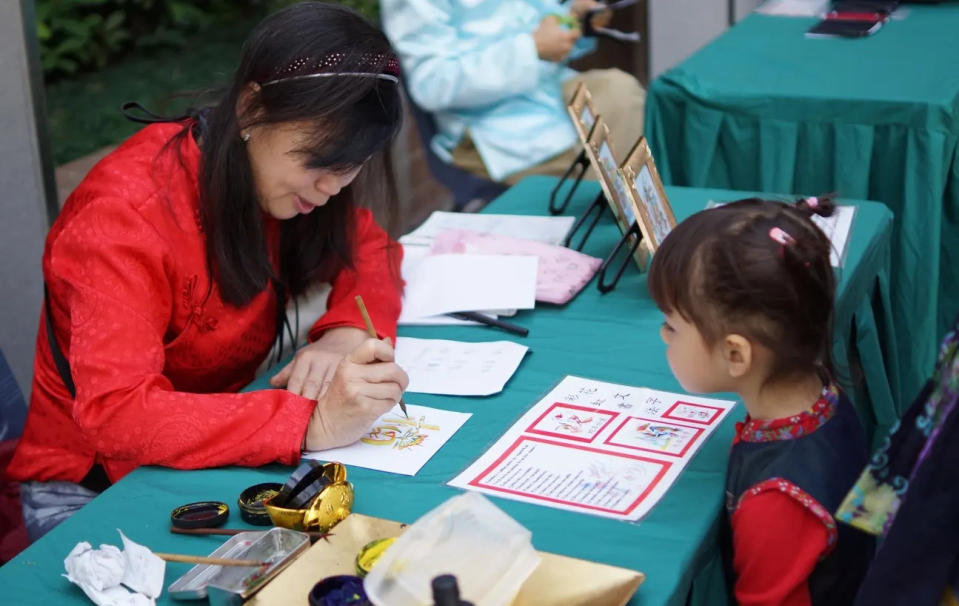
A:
351, 121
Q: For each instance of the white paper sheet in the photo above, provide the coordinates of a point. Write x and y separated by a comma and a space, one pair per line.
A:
600, 448
457, 368
445, 320
837, 228
440, 284
793, 8
412, 255
438, 321
551, 230
396, 444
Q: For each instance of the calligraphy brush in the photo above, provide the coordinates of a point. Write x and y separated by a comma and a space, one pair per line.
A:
314, 535
372, 333
189, 559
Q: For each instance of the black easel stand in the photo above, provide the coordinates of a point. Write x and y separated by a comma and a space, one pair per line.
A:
601, 283
596, 207
582, 161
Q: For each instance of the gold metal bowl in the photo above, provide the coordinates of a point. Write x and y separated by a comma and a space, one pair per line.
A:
324, 511
329, 507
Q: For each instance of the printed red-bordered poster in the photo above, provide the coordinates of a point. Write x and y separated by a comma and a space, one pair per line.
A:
598, 426
690, 442
715, 413
478, 480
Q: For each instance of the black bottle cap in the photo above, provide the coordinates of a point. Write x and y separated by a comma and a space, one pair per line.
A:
446, 592
203, 514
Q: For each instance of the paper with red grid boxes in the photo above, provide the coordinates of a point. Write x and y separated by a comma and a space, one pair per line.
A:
594, 447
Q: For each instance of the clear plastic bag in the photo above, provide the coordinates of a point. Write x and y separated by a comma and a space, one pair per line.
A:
490, 554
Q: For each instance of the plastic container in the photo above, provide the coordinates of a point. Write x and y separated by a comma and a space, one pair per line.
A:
490, 554
232, 585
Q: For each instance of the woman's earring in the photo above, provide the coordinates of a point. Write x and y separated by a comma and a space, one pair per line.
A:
245, 136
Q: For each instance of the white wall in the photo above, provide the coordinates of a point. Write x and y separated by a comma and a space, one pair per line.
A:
678, 28
741, 8
24, 190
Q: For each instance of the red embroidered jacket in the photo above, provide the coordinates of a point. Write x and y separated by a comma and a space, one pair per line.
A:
156, 364
780, 533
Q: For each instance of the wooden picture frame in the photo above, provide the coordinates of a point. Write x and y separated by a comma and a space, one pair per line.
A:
582, 112
645, 189
599, 148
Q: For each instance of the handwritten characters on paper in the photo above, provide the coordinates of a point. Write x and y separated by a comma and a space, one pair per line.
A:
654, 406
607, 449
594, 480
458, 368
696, 413
450, 359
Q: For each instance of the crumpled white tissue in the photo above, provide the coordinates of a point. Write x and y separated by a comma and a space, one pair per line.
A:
110, 577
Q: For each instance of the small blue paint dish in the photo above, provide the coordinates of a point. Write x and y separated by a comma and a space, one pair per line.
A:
342, 590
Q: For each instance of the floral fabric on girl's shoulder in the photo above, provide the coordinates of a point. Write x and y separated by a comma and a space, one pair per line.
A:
796, 426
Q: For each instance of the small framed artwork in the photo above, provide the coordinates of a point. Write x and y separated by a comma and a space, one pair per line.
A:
582, 112
649, 201
599, 148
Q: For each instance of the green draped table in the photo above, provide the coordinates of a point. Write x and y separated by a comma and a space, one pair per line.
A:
612, 337
764, 108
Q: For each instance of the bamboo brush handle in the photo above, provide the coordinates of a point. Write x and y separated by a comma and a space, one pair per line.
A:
189, 559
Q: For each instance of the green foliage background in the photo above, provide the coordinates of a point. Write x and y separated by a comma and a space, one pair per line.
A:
97, 54
78, 35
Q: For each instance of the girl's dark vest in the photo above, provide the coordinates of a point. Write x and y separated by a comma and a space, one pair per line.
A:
824, 464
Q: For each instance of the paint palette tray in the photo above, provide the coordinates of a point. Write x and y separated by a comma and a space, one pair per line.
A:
229, 585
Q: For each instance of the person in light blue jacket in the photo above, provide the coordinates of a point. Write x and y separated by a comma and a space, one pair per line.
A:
494, 74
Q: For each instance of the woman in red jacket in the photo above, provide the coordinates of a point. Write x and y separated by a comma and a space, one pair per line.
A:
170, 267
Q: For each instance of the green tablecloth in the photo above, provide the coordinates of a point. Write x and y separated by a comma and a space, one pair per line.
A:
764, 108
611, 337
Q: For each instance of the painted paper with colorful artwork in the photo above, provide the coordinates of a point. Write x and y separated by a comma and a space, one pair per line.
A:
578, 423
655, 435
398, 444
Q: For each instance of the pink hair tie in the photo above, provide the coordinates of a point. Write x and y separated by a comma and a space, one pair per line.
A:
778, 235
812, 202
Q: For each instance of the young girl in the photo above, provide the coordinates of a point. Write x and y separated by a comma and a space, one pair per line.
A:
747, 291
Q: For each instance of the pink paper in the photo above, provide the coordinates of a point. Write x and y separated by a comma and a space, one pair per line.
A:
561, 272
